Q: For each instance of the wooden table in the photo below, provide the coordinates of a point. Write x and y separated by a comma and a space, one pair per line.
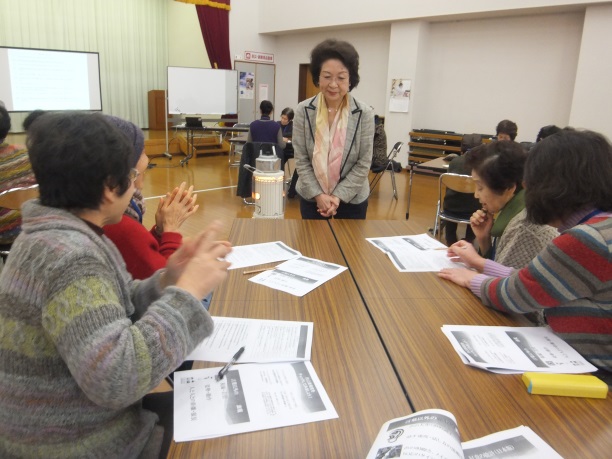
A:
409, 309
347, 353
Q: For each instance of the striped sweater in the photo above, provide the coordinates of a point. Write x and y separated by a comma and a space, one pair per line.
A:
571, 280
81, 343
15, 170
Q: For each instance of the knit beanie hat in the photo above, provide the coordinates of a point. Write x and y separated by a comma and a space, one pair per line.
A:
133, 133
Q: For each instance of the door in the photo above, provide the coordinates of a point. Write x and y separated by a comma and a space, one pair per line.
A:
306, 88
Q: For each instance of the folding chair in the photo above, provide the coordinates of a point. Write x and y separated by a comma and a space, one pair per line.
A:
456, 182
237, 141
12, 199
389, 165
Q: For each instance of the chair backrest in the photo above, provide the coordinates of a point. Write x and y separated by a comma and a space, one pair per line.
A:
13, 198
395, 150
457, 182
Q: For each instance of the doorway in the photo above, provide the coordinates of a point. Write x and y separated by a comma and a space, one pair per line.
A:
306, 88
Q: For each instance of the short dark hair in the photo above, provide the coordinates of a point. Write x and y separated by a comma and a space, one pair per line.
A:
546, 131
568, 172
33, 116
266, 107
74, 155
289, 112
500, 165
507, 127
335, 49
5, 123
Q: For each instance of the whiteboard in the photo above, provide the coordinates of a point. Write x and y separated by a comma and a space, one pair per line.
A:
193, 91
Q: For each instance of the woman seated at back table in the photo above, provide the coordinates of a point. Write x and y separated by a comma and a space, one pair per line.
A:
567, 181
503, 232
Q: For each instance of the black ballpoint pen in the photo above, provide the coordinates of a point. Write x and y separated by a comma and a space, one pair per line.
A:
227, 366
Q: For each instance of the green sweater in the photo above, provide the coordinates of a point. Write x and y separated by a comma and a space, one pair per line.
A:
81, 343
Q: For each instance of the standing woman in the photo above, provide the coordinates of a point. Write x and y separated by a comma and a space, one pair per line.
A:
332, 137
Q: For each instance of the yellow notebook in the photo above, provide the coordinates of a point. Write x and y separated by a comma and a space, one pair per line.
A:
565, 385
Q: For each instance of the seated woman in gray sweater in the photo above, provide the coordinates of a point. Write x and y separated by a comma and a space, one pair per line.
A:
81, 343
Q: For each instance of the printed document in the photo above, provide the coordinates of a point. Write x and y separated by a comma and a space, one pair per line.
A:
299, 275
515, 349
263, 340
433, 434
250, 397
242, 256
420, 253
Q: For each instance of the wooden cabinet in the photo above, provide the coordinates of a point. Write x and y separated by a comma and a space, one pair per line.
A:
428, 144
157, 110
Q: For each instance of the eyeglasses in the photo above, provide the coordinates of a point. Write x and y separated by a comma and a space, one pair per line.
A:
133, 175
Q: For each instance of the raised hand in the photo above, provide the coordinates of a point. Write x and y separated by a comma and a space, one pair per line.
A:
174, 208
199, 265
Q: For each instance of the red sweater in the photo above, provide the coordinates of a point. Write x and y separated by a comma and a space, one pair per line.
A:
143, 251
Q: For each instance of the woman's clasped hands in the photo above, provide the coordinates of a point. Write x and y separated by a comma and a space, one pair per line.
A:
327, 204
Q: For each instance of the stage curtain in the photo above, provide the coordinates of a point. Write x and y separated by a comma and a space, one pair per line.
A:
214, 23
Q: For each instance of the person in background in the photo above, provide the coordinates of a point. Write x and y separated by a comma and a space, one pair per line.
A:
265, 129
88, 343
15, 171
145, 251
571, 279
332, 137
546, 131
506, 130
286, 125
501, 227
456, 204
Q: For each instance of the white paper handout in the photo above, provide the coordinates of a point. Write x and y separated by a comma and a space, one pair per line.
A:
515, 349
518, 442
299, 275
242, 256
263, 340
434, 434
420, 253
250, 397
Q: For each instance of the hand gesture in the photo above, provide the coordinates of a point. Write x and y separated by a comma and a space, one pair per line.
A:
198, 266
459, 276
481, 223
175, 208
327, 204
464, 252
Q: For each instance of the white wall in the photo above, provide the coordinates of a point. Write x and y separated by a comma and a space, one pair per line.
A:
592, 101
479, 72
326, 13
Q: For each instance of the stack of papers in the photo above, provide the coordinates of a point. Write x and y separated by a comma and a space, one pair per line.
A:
243, 256
298, 276
250, 396
511, 350
263, 340
420, 253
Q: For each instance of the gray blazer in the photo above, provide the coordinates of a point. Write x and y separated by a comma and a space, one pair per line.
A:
353, 187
